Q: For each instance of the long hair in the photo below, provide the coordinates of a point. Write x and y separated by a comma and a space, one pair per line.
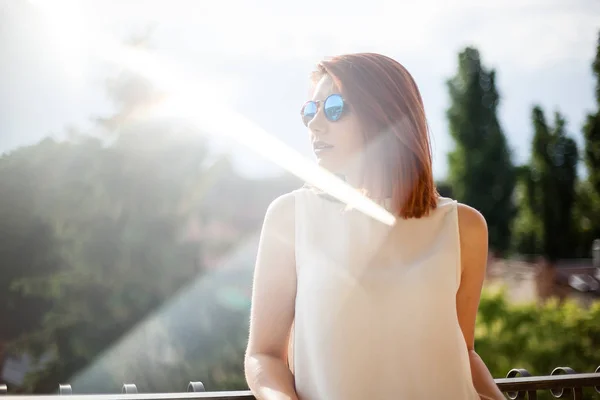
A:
389, 108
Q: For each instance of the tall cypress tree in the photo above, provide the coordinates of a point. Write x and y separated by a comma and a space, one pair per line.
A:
481, 171
591, 131
545, 220
588, 191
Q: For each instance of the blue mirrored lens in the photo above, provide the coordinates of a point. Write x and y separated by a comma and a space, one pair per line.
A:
334, 106
309, 111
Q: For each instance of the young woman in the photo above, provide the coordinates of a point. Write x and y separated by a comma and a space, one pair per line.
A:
345, 307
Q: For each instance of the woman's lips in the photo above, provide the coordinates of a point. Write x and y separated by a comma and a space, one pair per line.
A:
320, 147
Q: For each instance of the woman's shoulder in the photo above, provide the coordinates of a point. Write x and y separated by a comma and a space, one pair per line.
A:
279, 217
468, 216
282, 209
470, 221
282, 205
286, 202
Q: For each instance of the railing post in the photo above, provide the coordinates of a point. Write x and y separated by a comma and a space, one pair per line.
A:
196, 387
577, 392
129, 388
65, 389
529, 395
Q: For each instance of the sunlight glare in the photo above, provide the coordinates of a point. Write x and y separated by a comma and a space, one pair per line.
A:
64, 26
197, 100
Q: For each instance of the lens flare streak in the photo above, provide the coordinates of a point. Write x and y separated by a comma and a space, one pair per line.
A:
187, 96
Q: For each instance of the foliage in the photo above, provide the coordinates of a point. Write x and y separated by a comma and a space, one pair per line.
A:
28, 248
537, 337
546, 192
589, 193
444, 189
591, 130
481, 172
102, 231
133, 223
586, 218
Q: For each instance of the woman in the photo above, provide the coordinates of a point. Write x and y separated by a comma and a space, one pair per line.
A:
370, 311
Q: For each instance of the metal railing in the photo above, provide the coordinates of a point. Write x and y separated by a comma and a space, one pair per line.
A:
563, 383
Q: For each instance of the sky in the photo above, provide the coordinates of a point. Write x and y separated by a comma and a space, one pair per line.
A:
258, 56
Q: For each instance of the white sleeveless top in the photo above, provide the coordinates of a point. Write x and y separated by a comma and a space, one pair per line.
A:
376, 305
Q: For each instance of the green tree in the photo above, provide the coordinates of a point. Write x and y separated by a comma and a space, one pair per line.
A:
120, 208
126, 215
588, 192
481, 172
586, 217
28, 248
444, 189
123, 247
591, 131
546, 190
139, 215
527, 227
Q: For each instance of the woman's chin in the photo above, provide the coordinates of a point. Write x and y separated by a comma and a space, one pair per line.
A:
328, 164
334, 165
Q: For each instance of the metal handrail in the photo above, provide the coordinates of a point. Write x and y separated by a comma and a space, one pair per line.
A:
519, 384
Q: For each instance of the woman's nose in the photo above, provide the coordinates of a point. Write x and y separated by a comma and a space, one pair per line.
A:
319, 124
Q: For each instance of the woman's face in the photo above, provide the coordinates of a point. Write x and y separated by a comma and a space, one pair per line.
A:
337, 145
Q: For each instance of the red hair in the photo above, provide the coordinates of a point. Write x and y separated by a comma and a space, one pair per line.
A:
388, 105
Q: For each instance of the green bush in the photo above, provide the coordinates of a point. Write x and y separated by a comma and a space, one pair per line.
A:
537, 337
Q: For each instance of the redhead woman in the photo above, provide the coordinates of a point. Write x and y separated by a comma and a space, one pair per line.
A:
345, 307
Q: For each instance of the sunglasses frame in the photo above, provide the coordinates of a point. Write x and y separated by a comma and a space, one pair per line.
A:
345, 106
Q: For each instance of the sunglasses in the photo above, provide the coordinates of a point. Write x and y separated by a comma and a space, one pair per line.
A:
333, 107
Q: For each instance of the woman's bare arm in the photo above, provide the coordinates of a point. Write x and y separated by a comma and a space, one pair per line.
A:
273, 300
474, 251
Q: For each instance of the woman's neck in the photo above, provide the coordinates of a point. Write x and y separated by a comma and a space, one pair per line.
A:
353, 176
376, 190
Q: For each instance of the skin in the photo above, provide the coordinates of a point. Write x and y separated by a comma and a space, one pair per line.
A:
274, 287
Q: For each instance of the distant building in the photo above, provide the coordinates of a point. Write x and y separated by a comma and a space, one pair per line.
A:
576, 279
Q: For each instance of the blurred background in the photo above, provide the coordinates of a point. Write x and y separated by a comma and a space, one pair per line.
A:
128, 236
